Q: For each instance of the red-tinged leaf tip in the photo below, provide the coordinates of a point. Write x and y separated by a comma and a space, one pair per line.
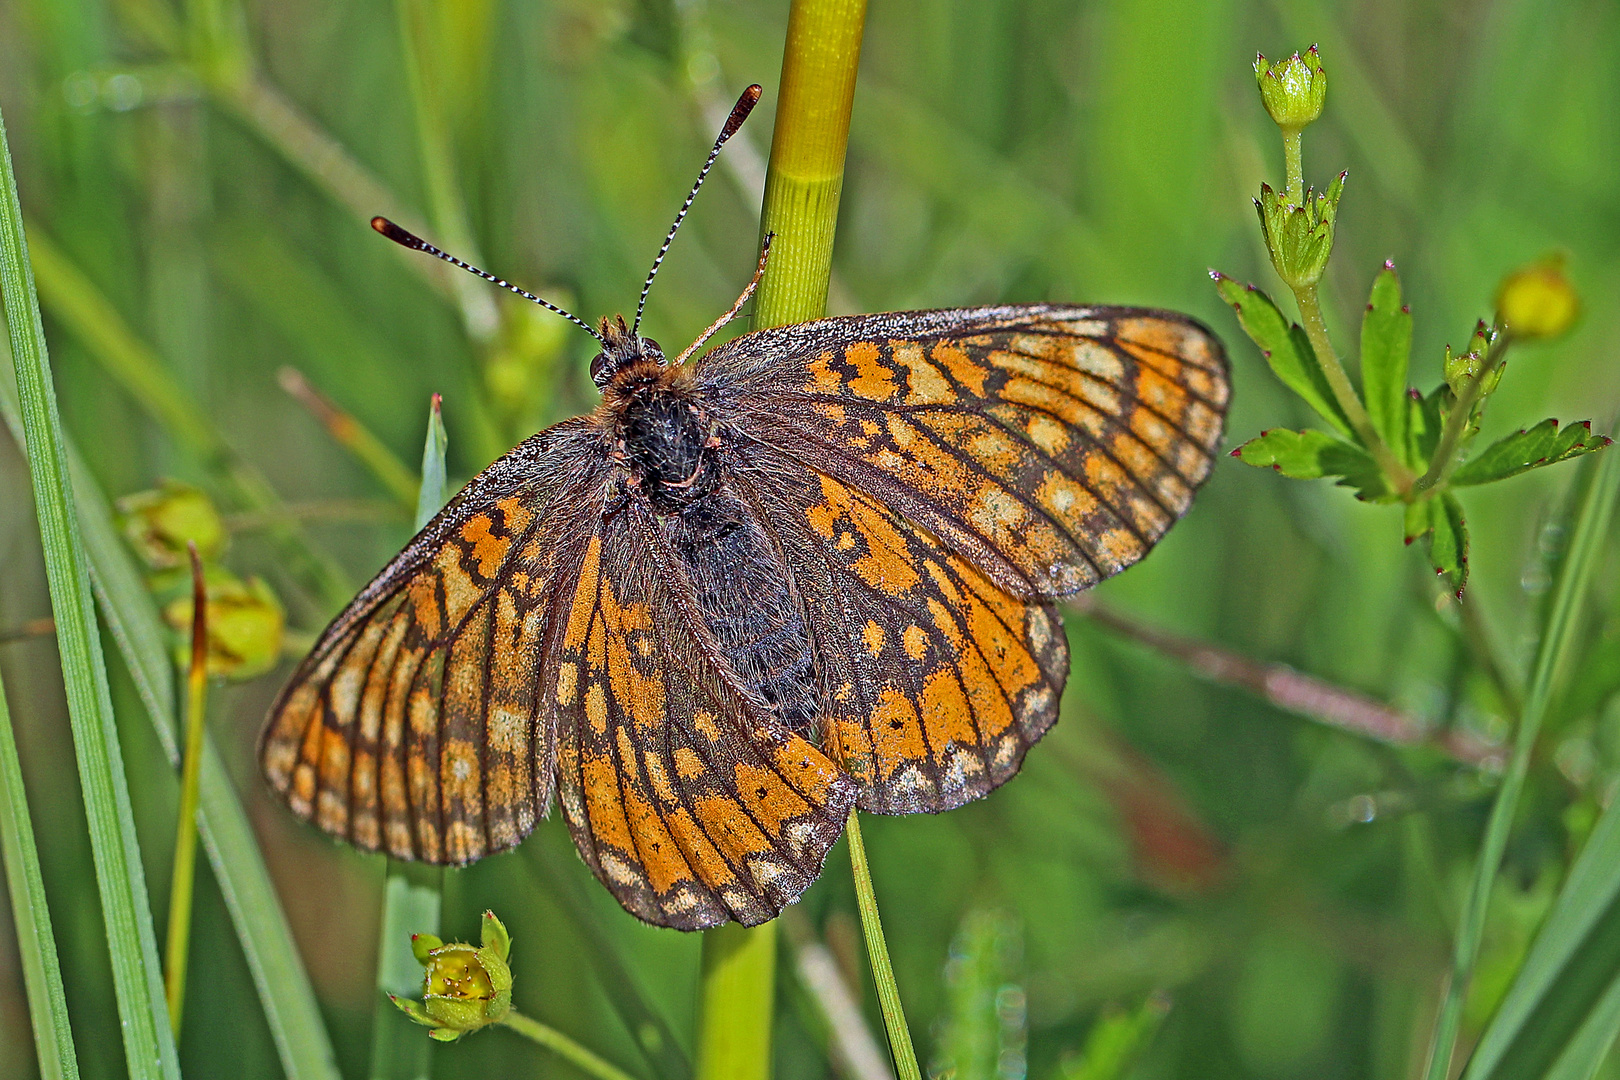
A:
1266, 353
1389, 264
1409, 540
1412, 392
437, 405
1216, 275
1276, 468
1587, 424
1406, 309
1236, 453
1369, 307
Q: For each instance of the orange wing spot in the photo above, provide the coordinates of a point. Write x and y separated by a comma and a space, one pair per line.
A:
703, 721
1048, 434
460, 593
661, 859
962, 367
516, 515
824, 379
915, 642
1159, 393
579, 615
604, 807
807, 769
734, 832
925, 384
489, 547
596, 707
896, 732
687, 763
873, 379
700, 852
567, 682
947, 716
771, 801
424, 602
1165, 336
872, 634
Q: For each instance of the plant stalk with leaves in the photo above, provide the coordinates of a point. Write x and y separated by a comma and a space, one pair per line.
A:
1388, 442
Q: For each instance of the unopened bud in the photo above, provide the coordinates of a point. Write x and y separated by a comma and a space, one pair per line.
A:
1293, 89
1537, 301
245, 625
158, 523
464, 987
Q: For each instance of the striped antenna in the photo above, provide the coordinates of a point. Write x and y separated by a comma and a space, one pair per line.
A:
739, 113
405, 238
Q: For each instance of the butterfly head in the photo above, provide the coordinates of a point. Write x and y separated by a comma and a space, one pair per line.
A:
621, 347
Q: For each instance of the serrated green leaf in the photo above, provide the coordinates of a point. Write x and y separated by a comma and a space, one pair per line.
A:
1386, 349
1311, 455
1544, 444
1285, 348
1419, 519
1424, 418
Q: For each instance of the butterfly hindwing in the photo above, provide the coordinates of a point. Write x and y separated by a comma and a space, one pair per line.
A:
686, 798
1050, 445
935, 681
413, 726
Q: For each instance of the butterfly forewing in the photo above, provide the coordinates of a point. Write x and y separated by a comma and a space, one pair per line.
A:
687, 799
1050, 445
413, 726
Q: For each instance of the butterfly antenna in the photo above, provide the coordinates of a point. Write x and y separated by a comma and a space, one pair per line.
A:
739, 113
405, 238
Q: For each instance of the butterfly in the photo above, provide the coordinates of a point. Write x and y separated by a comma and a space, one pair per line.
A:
810, 570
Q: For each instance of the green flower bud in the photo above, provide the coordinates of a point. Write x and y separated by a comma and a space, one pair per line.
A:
1537, 301
1300, 238
245, 626
158, 523
464, 988
1293, 89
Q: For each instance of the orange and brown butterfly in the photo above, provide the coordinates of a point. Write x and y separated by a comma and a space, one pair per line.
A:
811, 570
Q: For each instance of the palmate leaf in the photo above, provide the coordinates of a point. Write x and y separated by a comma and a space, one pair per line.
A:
1284, 346
1438, 522
1386, 347
1544, 444
1311, 455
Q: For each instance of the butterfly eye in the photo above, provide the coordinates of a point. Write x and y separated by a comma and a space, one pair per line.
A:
602, 368
652, 350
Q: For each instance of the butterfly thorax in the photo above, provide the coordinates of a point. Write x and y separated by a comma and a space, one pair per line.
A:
662, 435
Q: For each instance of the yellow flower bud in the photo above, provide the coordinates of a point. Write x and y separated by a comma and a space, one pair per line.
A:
245, 625
464, 987
1293, 89
1537, 301
158, 523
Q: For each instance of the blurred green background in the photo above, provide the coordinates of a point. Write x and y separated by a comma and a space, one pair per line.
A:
1274, 895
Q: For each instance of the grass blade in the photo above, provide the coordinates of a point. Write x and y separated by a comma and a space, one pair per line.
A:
177, 949
278, 973
1570, 979
412, 892
120, 880
42, 975
1586, 543
894, 1014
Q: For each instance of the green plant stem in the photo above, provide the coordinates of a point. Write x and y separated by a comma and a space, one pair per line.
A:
120, 879
736, 1002
1580, 563
877, 949
178, 946
1310, 312
1294, 165
36, 946
1457, 418
564, 1047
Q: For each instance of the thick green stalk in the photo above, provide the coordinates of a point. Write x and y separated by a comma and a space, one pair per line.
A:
36, 946
1586, 544
802, 189
120, 880
178, 946
894, 1015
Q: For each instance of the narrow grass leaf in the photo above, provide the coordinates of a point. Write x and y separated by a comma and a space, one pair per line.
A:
412, 893
1285, 347
1386, 348
1588, 538
120, 880
1571, 969
42, 975
1541, 445
877, 951
1117, 1041
261, 926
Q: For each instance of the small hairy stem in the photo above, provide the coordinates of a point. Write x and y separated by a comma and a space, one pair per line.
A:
1451, 433
1293, 166
1310, 311
564, 1047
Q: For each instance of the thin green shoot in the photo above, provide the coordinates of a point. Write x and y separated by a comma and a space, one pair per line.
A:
178, 947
